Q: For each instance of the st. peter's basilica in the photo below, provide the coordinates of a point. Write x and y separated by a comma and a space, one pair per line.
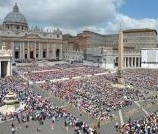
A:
26, 42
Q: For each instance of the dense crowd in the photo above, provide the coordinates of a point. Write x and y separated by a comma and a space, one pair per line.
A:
144, 78
40, 109
145, 125
37, 108
15, 84
58, 73
45, 75
93, 95
32, 68
66, 65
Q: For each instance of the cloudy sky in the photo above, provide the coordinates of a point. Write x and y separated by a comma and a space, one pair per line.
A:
73, 16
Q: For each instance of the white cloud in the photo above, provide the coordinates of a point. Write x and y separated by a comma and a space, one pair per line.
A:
73, 16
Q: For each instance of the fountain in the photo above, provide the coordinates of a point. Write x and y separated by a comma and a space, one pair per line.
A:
10, 101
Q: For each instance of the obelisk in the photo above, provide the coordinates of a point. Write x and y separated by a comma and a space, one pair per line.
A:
120, 77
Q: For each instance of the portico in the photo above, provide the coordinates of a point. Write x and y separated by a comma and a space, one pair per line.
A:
5, 62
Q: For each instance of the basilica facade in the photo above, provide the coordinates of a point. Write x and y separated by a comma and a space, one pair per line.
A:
29, 43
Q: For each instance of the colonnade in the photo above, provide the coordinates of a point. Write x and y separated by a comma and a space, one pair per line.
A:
132, 61
34, 50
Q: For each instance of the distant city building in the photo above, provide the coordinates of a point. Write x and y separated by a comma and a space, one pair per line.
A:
29, 43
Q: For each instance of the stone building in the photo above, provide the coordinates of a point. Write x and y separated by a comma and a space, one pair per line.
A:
29, 43
134, 40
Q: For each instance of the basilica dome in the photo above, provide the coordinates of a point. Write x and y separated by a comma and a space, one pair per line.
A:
15, 19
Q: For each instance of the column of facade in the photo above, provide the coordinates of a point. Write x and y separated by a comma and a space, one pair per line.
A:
39, 50
28, 50
61, 56
54, 51
35, 50
23, 44
47, 50
21, 50
13, 52
0, 69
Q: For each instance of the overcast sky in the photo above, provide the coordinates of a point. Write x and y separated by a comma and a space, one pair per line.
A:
73, 16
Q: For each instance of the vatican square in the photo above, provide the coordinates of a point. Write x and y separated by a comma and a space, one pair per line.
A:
78, 67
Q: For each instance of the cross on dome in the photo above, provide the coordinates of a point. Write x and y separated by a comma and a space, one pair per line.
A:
15, 8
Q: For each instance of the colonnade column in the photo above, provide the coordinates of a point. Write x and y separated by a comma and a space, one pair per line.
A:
128, 61
8, 69
139, 62
135, 62
125, 62
131, 61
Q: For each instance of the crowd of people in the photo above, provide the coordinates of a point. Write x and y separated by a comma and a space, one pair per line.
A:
37, 107
32, 68
144, 78
40, 109
50, 75
59, 72
95, 95
67, 65
15, 84
145, 125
